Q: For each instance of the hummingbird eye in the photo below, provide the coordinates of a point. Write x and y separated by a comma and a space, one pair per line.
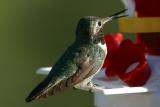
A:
99, 23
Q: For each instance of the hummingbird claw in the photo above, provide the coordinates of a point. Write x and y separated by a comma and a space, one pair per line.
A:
90, 84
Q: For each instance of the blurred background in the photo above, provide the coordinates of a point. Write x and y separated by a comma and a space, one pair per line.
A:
33, 34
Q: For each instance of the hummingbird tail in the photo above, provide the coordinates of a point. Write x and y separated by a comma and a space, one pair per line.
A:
53, 89
43, 91
37, 91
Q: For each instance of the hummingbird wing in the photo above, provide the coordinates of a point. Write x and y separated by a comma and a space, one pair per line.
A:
72, 68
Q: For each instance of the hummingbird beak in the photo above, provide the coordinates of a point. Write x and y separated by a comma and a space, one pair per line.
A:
117, 15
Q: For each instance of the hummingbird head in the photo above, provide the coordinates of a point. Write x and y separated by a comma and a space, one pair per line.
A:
90, 28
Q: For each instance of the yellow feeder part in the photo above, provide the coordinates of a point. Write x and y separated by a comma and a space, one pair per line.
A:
140, 25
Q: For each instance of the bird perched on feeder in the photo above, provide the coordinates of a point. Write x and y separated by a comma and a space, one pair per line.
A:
80, 62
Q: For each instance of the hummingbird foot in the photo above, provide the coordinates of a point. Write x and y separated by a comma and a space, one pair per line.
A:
92, 86
84, 86
87, 85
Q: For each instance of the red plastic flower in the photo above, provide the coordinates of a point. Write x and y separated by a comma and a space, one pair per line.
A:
121, 55
112, 46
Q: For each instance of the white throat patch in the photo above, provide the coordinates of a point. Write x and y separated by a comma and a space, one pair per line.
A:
103, 46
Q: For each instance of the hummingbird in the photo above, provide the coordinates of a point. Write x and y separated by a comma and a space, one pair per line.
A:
81, 60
